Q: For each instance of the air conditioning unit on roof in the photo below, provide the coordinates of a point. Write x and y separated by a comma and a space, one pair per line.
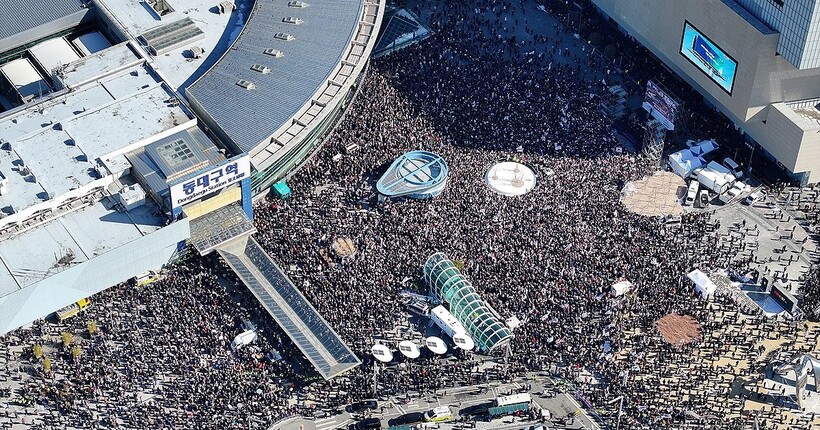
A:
226, 7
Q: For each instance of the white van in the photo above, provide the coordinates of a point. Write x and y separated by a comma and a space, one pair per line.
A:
692, 194
438, 415
733, 167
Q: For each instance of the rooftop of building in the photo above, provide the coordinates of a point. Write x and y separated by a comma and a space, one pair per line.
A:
57, 145
19, 16
808, 112
176, 65
172, 157
45, 250
288, 52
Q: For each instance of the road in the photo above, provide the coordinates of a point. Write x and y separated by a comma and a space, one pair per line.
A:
559, 405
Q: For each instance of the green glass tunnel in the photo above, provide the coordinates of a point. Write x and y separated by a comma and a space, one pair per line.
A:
482, 322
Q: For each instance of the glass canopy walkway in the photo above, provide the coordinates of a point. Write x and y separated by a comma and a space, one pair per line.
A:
297, 317
482, 322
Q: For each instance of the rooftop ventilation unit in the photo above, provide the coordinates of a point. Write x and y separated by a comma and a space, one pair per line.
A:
261, 69
248, 85
197, 52
292, 20
274, 52
297, 4
161, 7
284, 36
226, 7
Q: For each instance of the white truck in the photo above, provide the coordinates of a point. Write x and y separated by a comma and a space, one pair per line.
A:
715, 177
451, 327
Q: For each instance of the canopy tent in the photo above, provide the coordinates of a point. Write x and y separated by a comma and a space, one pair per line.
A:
620, 288
281, 189
704, 286
687, 160
684, 162
704, 147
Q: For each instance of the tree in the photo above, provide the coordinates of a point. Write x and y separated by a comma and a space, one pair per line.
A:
76, 352
37, 351
611, 51
92, 327
595, 39
67, 338
47, 365
459, 265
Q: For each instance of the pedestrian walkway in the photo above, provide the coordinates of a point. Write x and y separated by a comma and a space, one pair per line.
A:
297, 317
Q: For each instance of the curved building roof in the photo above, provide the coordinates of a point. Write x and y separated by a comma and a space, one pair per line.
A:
286, 66
481, 321
418, 174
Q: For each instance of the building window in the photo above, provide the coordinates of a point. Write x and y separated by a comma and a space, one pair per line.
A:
778, 3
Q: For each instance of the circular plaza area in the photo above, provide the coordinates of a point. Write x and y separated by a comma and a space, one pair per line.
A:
510, 178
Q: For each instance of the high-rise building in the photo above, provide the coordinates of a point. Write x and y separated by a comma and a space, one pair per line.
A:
757, 61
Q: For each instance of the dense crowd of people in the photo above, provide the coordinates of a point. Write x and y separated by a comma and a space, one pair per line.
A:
487, 86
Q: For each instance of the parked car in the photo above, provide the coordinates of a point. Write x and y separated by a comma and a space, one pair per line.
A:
366, 424
362, 406
754, 198
407, 419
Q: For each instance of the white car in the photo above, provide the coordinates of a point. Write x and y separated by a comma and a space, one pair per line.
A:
754, 198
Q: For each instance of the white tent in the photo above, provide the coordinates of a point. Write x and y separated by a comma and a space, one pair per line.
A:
704, 286
242, 339
620, 288
704, 147
684, 162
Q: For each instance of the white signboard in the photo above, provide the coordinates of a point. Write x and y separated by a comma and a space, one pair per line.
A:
210, 181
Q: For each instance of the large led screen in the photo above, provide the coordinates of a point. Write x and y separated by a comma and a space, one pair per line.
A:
708, 57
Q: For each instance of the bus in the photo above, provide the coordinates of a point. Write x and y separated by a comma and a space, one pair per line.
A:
72, 309
513, 399
146, 278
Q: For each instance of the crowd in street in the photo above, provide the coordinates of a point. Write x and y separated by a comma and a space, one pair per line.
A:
487, 86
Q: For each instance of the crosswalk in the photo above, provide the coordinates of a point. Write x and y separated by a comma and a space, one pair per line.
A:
332, 423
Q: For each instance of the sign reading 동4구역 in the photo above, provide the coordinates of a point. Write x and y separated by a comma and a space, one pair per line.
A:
210, 181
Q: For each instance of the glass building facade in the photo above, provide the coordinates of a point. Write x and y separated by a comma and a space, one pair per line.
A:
798, 23
448, 284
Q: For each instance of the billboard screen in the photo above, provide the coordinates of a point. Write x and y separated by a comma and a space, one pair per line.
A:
660, 105
209, 181
708, 57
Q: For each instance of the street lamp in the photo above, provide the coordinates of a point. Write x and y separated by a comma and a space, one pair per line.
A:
620, 409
